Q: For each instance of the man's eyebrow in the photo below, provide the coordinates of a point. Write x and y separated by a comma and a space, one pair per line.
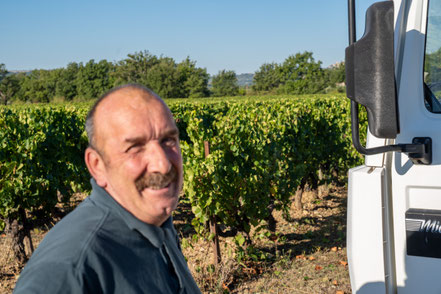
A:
135, 140
142, 139
171, 132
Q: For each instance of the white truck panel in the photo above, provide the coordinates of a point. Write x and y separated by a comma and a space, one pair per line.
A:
364, 231
376, 160
415, 186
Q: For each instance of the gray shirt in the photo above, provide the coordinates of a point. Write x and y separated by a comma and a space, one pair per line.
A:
102, 248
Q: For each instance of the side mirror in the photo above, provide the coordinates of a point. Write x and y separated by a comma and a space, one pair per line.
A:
370, 71
370, 81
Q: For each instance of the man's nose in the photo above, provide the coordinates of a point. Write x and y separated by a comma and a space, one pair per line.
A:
158, 160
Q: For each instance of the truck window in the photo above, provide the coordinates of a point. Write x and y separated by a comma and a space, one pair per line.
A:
432, 61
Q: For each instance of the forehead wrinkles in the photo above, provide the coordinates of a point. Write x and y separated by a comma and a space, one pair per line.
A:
128, 105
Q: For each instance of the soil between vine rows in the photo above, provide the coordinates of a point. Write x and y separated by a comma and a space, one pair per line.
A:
308, 254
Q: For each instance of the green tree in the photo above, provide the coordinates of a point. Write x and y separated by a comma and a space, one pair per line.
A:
337, 74
134, 69
193, 79
93, 79
9, 87
225, 84
301, 74
267, 78
65, 87
3, 88
335, 77
38, 86
3, 71
163, 77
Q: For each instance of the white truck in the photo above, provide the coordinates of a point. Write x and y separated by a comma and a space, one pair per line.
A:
394, 199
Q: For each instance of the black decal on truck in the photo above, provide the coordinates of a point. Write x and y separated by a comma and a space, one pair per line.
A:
423, 232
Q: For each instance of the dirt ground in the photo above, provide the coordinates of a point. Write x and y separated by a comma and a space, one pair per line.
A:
307, 255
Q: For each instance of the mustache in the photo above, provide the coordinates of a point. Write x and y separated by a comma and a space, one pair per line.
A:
156, 180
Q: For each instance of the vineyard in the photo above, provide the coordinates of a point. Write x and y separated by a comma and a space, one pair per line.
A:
245, 159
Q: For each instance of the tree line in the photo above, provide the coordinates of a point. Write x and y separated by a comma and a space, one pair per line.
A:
298, 74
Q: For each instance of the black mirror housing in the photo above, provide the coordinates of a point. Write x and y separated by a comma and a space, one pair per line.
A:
370, 71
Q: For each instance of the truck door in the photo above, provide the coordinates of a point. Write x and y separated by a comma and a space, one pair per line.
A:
394, 200
416, 189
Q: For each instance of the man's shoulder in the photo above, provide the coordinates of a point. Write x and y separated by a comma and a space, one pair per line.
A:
62, 252
73, 235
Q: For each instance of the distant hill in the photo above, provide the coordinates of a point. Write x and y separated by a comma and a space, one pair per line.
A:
245, 79
20, 71
14, 72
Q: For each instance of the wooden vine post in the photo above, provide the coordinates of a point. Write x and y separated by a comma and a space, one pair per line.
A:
323, 188
213, 224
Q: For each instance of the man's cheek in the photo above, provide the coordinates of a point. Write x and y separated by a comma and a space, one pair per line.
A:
133, 168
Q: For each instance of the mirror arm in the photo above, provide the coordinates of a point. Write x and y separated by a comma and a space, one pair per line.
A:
407, 148
420, 151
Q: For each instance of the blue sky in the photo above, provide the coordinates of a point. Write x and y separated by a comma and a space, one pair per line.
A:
233, 35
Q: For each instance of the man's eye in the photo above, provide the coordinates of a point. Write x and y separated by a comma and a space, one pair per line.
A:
170, 142
134, 148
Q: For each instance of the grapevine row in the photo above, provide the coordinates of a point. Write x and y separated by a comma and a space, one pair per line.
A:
261, 151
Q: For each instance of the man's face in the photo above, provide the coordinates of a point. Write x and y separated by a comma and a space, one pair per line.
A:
139, 142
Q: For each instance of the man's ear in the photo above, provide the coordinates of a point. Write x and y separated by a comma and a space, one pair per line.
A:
96, 167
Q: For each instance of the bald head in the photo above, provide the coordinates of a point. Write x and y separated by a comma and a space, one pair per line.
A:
119, 95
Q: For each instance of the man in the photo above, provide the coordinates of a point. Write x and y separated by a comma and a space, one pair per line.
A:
120, 239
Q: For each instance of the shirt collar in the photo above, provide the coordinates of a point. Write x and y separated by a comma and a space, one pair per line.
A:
156, 235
